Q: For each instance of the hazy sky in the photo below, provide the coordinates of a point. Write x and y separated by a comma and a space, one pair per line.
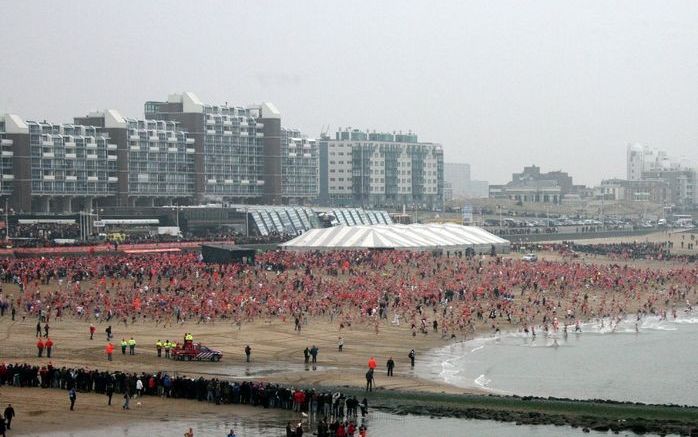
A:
562, 84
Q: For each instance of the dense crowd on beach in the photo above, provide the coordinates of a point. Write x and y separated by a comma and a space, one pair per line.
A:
449, 295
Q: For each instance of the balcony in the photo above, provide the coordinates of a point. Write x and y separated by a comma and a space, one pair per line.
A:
154, 139
227, 123
49, 177
92, 179
210, 121
260, 182
71, 178
135, 148
111, 158
307, 155
210, 132
7, 154
259, 125
292, 155
292, 145
172, 139
70, 156
5, 142
91, 157
113, 179
171, 150
8, 177
134, 137
191, 140
90, 145
48, 155
306, 146
259, 134
69, 145
190, 151
228, 133
111, 147
211, 181
244, 134
47, 142
228, 182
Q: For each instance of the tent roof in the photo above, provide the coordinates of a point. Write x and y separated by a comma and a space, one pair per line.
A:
416, 236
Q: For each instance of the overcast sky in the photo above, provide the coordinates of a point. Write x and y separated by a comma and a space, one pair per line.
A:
501, 84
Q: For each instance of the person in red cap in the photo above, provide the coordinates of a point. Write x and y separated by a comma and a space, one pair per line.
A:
48, 345
40, 347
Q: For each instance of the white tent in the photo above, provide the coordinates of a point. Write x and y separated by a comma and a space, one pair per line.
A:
409, 237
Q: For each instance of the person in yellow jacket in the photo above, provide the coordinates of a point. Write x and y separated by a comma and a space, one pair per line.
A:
123, 346
168, 346
132, 346
158, 346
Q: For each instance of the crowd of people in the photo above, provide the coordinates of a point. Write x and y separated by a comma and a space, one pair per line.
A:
347, 287
332, 410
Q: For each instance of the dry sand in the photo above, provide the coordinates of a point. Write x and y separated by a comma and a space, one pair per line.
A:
277, 356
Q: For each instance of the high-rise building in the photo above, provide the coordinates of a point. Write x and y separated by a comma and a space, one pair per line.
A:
237, 150
380, 170
55, 165
155, 159
299, 167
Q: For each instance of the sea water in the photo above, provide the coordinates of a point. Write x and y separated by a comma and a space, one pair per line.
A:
655, 363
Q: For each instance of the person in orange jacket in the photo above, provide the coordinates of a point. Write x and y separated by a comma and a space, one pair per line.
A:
109, 350
372, 363
48, 345
40, 346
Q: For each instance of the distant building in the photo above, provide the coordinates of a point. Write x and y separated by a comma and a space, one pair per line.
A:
380, 170
458, 176
678, 178
656, 191
532, 186
681, 184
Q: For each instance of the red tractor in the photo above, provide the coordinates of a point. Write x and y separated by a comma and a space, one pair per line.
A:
194, 351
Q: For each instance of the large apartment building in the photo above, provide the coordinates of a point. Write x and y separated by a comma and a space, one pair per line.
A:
182, 152
299, 168
237, 149
380, 170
